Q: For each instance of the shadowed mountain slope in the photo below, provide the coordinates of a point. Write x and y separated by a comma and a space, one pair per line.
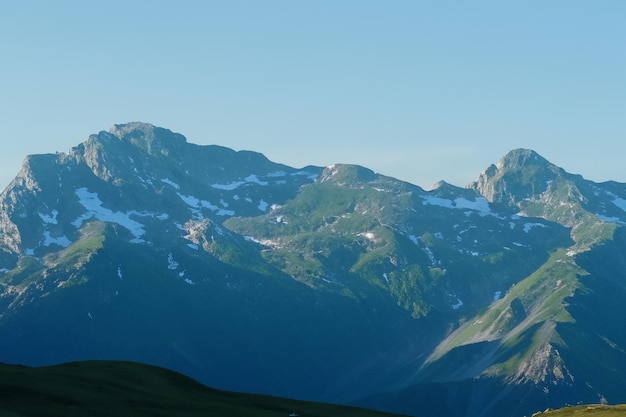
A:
127, 389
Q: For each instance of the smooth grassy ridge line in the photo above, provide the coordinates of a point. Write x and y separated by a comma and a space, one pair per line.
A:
130, 389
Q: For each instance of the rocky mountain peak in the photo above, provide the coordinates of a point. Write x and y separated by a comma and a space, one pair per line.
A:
447, 190
440, 184
522, 158
146, 136
520, 175
347, 174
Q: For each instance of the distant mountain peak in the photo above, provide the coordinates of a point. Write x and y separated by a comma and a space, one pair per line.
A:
537, 188
346, 173
140, 129
440, 184
520, 175
146, 136
519, 158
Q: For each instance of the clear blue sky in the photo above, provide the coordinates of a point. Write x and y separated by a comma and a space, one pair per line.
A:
418, 90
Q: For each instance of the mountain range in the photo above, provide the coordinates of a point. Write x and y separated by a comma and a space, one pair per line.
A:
504, 297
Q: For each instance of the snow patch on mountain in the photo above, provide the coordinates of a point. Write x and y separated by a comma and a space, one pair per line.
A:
529, 226
480, 204
458, 304
228, 187
217, 210
93, 204
437, 201
431, 256
49, 219
170, 182
190, 200
61, 240
253, 179
264, 242
171, 263
196, 204
620, 202
310, 175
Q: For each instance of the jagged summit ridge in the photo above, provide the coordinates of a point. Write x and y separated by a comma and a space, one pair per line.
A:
141, 177
522, 158
147, 136
525, 180
126, 131
520, 174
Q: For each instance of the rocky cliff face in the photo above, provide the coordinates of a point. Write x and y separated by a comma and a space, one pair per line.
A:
520, 175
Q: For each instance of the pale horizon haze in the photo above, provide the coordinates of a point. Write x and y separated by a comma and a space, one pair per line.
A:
418, 90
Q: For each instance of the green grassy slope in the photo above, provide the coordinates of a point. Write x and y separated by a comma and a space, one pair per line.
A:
588, 410
129, 389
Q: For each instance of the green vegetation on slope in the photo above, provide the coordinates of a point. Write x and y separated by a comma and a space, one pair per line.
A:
79, 253
535, 299
587, 410
128, 389
344, 238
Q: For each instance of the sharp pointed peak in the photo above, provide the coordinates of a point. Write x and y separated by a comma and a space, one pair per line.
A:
445, 187
521, 157
520, 174
440, 184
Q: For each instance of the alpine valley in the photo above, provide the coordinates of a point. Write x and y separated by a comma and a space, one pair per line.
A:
332, 284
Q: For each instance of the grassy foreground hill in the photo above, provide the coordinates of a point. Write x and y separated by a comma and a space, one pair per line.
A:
130, 389
587, 410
